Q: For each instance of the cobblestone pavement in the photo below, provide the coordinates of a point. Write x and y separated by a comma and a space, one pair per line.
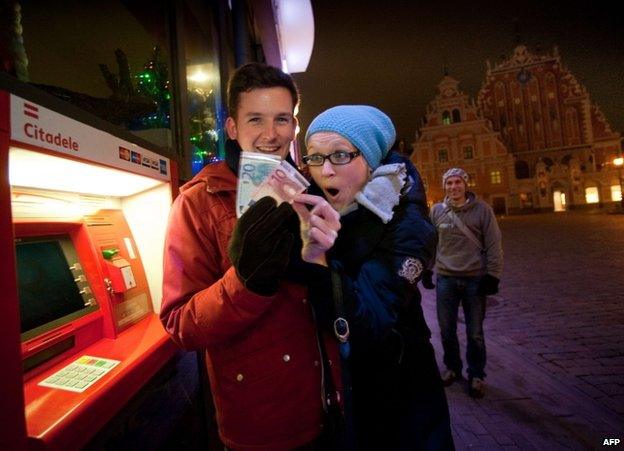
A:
555, 338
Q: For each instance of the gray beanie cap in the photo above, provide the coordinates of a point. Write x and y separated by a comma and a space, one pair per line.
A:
455, 172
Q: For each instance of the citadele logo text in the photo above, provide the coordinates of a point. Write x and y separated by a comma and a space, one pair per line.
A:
34, 131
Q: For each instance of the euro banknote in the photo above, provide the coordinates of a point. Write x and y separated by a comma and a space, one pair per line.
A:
253, 169
282, 184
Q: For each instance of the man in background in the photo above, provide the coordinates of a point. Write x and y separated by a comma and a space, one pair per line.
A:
469, 264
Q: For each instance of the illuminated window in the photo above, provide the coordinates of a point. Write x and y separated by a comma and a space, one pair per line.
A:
442, 155
446, 118
468, 154
591, 195
496, 177
616, 192
472, 179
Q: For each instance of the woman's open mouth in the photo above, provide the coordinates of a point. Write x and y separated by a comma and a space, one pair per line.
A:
333, 192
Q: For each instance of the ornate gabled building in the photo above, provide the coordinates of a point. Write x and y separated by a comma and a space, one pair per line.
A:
560, 145
454, 133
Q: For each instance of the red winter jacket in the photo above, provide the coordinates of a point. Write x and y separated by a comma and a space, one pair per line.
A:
261, 352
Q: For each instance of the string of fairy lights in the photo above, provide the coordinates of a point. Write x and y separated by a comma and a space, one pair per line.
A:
153, 82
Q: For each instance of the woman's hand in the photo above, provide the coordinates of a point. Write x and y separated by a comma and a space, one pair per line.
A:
319, 227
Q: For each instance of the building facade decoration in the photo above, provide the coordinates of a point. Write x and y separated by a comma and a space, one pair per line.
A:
454, 133
558, 145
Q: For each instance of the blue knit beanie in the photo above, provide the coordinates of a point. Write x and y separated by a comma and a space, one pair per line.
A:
370, 130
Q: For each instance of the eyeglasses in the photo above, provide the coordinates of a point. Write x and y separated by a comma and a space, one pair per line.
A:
338, 157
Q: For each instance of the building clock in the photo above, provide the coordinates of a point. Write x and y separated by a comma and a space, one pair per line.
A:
523, 76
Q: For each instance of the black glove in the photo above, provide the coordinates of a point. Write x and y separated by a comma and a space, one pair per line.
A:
260, 245
488, 285
427, 279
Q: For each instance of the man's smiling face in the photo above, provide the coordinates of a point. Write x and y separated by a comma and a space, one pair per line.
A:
455, 188
264, 121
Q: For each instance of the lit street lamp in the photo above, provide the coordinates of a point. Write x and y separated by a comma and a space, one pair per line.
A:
619, 161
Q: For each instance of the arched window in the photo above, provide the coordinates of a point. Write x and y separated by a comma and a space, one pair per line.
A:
551, 84
572, 123
446, 118
522, 170
566, 159
499, 99
456, 115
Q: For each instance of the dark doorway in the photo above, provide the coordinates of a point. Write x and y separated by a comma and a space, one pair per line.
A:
499, 205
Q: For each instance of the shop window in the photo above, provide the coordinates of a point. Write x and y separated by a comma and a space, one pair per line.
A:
442, 155
496, 177
206, 115
116, 69
616, 193
446, 118
468, 153
591, 195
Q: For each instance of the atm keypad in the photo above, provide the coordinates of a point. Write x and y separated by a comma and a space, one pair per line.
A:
80, 374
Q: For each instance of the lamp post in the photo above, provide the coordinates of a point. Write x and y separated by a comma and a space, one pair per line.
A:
618, 162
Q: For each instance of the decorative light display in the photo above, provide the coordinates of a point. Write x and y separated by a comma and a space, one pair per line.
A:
153, 83
204, 127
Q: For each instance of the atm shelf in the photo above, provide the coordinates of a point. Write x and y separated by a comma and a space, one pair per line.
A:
60, 419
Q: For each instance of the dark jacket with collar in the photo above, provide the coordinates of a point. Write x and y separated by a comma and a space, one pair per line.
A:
391, 365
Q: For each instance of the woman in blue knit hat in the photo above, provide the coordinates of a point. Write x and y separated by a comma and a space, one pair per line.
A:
394, 395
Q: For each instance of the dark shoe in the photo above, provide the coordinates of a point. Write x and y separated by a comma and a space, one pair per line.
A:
477, 387
448, 377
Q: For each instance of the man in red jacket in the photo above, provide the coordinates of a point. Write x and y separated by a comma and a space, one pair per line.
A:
224, 290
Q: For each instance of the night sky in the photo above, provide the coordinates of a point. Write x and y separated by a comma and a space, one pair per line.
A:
392, 54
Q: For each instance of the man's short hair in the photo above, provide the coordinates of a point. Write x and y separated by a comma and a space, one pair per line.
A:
255, 76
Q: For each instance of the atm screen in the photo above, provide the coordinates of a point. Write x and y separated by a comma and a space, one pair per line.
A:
51, 283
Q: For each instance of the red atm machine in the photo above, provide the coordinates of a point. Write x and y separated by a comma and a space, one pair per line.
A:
83, 223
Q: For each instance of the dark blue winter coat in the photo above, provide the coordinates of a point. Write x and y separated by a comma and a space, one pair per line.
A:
397, 400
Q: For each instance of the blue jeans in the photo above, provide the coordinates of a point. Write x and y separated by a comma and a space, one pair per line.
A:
450, 291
